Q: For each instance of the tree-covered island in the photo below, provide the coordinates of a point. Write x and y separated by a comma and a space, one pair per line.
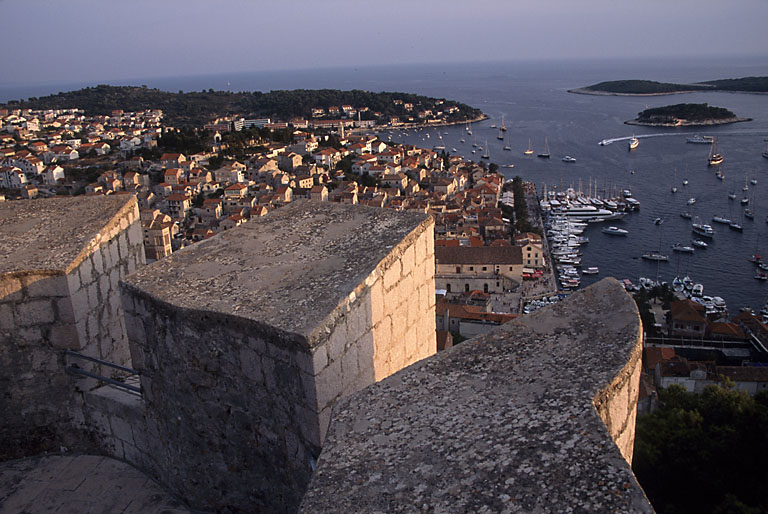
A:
651, 87
194, 109
685, 115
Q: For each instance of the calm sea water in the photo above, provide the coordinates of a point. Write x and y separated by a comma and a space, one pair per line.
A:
534, 101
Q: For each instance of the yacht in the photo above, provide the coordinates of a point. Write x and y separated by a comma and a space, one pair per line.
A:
721, 219
592, 270
677, 247
699, 243
655, 256
691, 201
633, 143
568, 158
529, 150
614, 231
702, 229
686, 215
749, 214
714, 156
545, 153
735, 226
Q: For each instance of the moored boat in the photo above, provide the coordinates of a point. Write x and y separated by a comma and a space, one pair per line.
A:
592, 270
568, 158
699, 243
614, 231
655, 256
714, 156
677, 247
633, 143
697, 139
721, 219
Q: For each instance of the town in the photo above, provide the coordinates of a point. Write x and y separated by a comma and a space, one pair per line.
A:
194, 184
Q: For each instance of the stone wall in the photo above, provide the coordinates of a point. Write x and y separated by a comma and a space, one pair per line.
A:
246, 340
537, 416
61, 263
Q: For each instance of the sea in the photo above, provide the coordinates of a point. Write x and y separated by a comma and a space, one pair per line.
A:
533, 98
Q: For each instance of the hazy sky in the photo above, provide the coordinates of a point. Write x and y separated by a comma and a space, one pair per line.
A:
87, 40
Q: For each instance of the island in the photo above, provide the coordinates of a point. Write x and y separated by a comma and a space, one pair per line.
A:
193, 109
685, 115
653, 88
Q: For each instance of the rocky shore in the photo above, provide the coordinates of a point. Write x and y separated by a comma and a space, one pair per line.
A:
585, 91
687, 123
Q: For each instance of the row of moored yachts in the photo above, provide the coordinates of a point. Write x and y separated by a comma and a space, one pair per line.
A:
565, 238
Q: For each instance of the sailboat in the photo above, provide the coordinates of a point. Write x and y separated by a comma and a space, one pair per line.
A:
506, 146
469, 128
674, 187
545, 153
714, 156
487, 153
529, 150
503, 127
500, 136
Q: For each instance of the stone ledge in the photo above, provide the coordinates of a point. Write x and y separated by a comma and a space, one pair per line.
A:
505, 422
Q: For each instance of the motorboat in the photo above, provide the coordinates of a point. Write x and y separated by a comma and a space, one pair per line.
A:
686, 215
677, 247
749, 214
658, 221
592, 270
736, 227
568, 158
731, 196
614, 231
633, 143
698, 290
691, 201
702, 229
699, 243
655, 256
721, 219
714, 156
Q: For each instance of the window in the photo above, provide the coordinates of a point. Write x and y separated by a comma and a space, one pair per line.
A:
458, 269
485, 288
466, 288
485, 268
471, 268
448, 288
510, 268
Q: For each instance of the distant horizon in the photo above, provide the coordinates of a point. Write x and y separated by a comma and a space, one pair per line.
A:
538, 63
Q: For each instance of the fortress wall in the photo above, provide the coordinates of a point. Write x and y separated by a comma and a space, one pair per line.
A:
71, 303
532, 417
238, 397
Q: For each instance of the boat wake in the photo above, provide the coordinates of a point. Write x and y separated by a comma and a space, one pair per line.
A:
605, 142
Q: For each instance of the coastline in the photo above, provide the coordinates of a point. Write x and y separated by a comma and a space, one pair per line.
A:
685, 123
408, 126
585, 91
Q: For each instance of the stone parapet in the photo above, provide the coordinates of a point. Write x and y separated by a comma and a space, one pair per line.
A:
537, 416
246, 340
60, 263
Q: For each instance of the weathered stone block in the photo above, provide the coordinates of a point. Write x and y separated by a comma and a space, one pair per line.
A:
337, 341
98, 261
64, 336
7, 320
34, 312
46, 286
392, 275
349, 368
86, 272
408, 261
329, 384
250, 364
377, 302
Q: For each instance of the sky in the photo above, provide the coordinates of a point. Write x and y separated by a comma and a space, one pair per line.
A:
56, 41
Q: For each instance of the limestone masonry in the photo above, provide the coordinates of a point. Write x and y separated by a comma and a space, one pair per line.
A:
60, 264
523, 419
246, 340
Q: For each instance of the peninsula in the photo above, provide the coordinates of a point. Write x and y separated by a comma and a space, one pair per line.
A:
685, 115
193, 109
652, 88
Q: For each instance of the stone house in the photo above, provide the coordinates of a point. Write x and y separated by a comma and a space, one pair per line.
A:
490, 269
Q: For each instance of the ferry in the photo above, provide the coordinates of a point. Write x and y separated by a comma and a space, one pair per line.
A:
697, 139
633, 143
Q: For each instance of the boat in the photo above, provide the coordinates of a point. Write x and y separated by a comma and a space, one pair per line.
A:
685, 181
503, 127
633, 143
719, 174
686, 215
697, 290
529, 150
592, 270
702, 228
487, 153
699, 243
753, 181
697, 139
691, 201
677, 247
655, 256
462, 140
658, 221
506, 145
761, 275
493, 125
614, 231
735, 226
568, 158
732, 196
749, 214
744, 201
507, 165
674, 187
714, 156
721, 219
545, 153
469, 128
500, 135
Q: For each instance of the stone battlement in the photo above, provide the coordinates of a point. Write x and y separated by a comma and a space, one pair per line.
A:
253, 343
537, 416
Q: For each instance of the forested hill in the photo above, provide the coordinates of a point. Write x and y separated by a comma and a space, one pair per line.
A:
650, 87
198, 108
